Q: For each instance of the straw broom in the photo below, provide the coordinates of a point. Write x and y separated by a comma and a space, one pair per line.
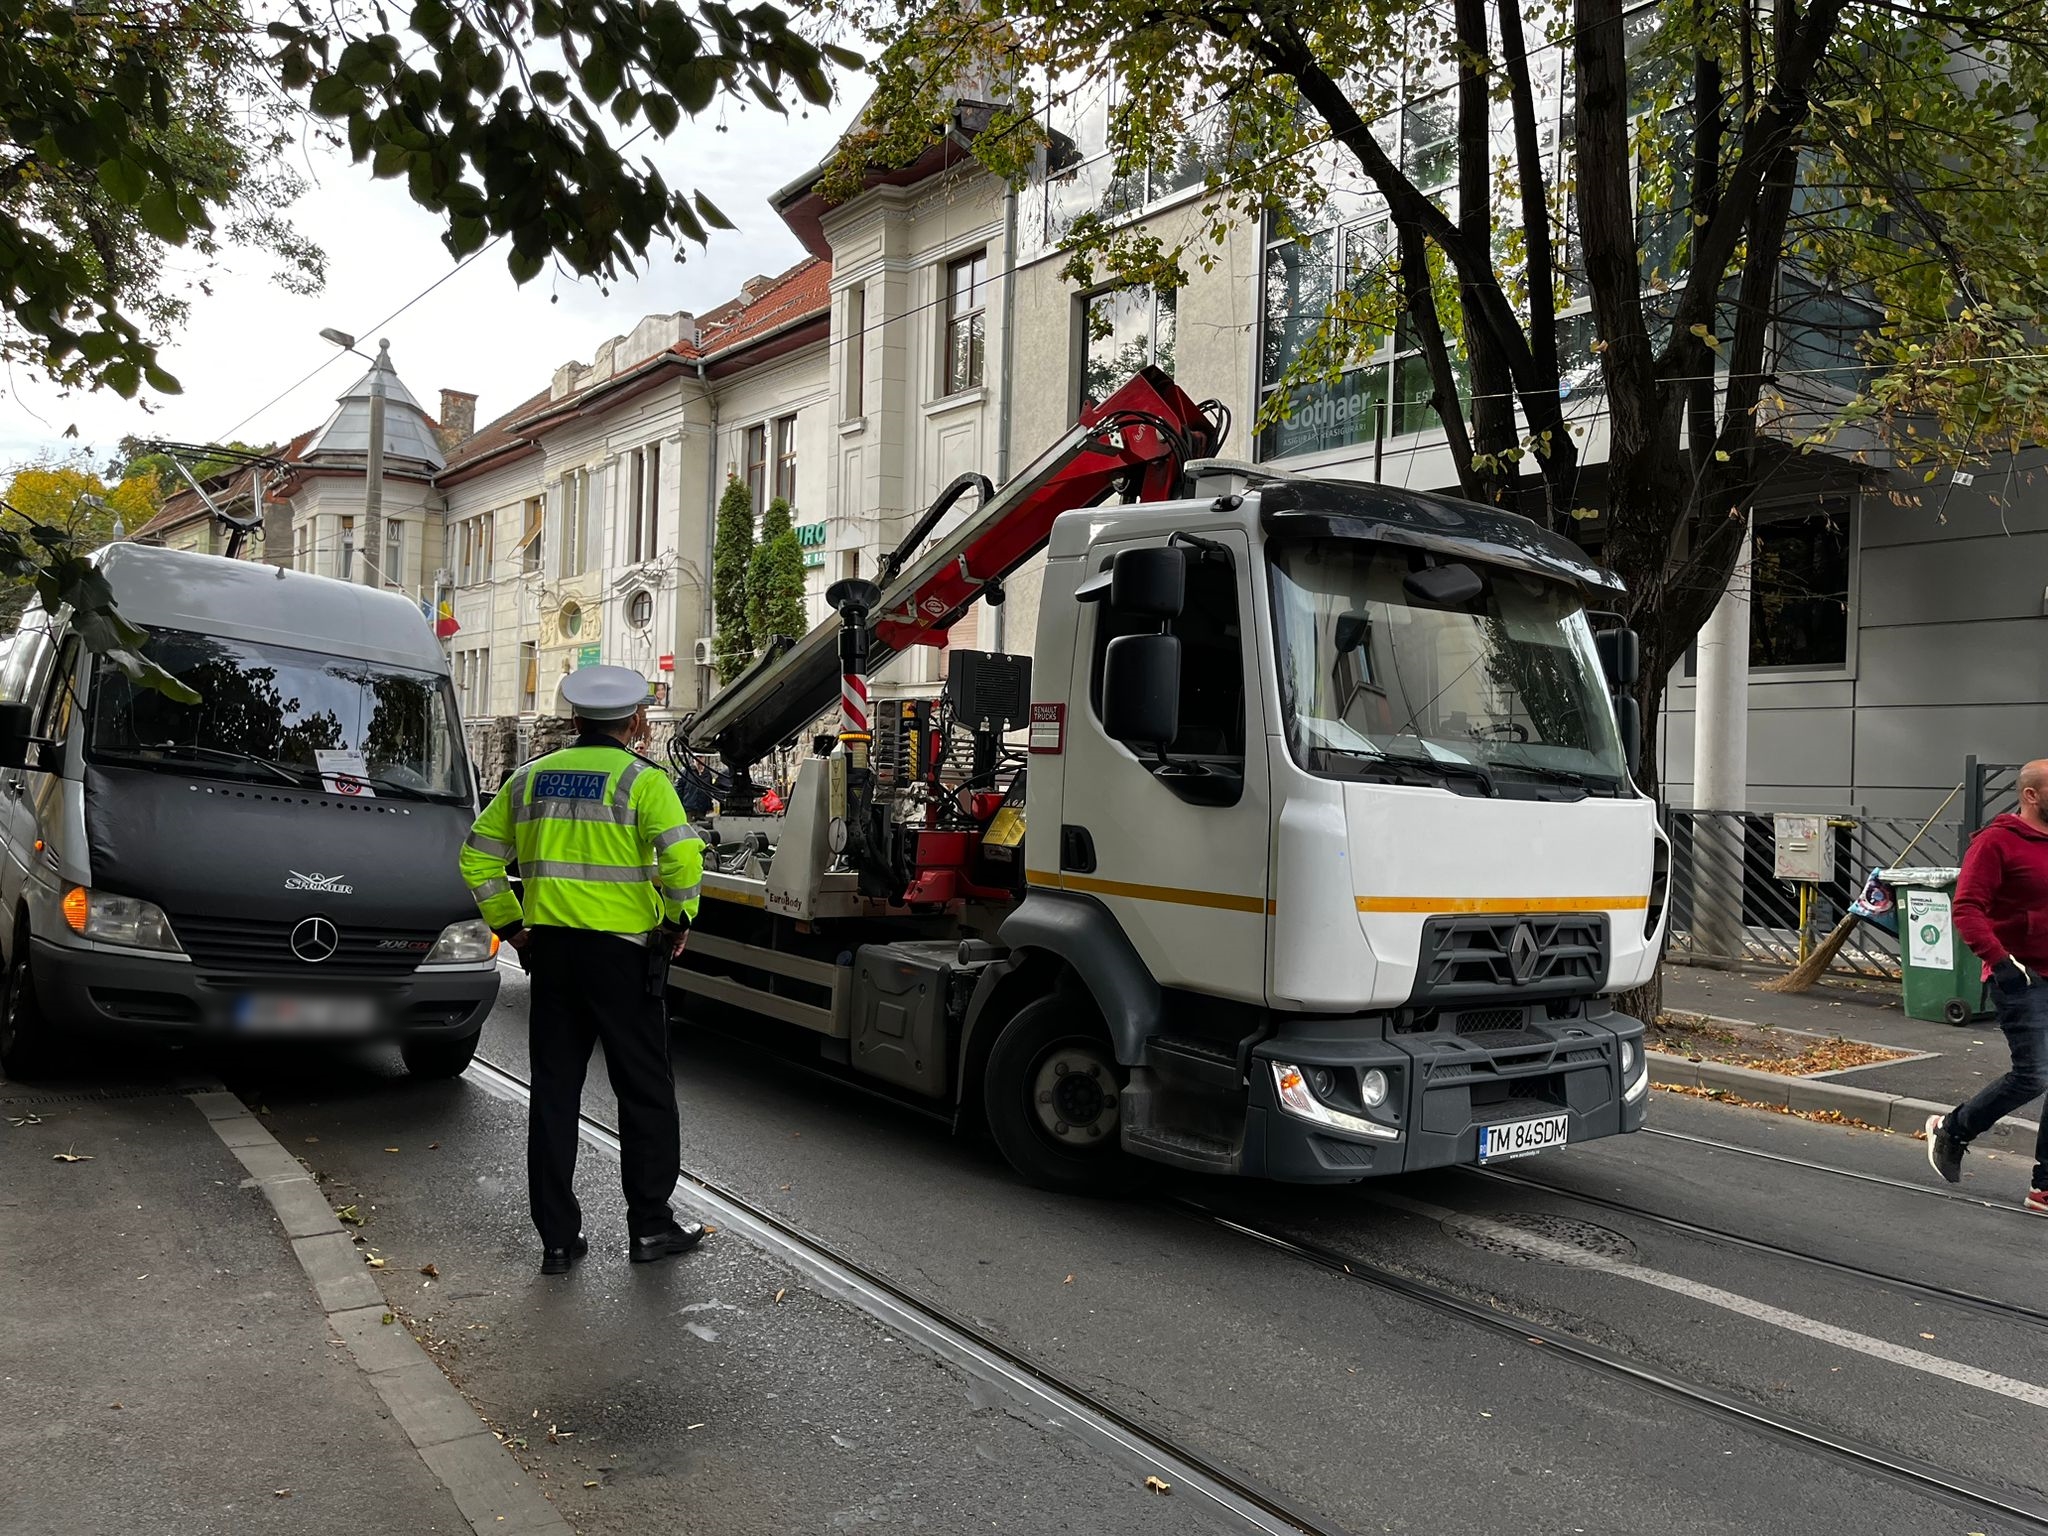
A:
1814, 965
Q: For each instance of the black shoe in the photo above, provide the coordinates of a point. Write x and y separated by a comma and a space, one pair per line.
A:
666, 1245
1944, 1151
559, 1261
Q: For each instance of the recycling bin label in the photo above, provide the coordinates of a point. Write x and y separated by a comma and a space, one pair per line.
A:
1928, 943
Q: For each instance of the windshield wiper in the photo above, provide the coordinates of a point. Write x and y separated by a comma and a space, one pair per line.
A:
394, 787
291, 776
1593, 786
1404, 769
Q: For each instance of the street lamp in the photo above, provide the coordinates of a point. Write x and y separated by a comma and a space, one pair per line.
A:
373, 485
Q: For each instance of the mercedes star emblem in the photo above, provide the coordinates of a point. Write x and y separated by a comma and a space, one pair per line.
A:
314, 940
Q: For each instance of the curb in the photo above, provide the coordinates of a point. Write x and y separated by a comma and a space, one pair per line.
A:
1887, 1111
490, 1488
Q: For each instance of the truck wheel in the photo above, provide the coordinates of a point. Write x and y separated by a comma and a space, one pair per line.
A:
431, 1057
26, 1049
1050, 1094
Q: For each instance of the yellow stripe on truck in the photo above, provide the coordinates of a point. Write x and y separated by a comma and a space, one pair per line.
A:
1454, 905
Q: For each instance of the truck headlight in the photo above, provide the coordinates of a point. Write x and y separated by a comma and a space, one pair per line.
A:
127, 920
1373, 1088
469, 942
1296, 1099
1628, 1057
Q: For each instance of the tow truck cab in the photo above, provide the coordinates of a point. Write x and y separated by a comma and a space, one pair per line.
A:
1331, 818
277, 859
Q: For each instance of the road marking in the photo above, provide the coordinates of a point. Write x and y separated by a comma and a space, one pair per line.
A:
1729, 1301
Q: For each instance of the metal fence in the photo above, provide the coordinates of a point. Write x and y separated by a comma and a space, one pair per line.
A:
1729, 907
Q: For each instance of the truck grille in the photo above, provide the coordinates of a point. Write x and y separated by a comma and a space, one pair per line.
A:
265, 945
1497, 958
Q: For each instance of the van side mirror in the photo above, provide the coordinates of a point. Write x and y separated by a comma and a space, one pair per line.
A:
1149, 583
16, 722
1141, 689
1628, 720
1621, 656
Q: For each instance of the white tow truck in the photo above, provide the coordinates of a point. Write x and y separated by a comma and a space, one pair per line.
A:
1320, 858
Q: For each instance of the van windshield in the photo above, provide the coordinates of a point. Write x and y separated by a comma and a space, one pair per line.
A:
277, 714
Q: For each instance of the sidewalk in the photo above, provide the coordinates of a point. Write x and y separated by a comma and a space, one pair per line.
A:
166, 1363
1958, 1061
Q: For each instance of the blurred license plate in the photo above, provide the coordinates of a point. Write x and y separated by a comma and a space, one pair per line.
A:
269, 1014
1522, 1138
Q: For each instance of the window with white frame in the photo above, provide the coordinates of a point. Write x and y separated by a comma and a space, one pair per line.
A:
473, 550
643, 502
640, 609
347, 566
757, 466
394, 552
966, 323
855, 360
785, 458
532, 540
1123, 330
579, 492
529, 675
473, 681
302, 547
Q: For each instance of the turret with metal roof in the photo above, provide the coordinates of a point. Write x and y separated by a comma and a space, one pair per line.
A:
409, 442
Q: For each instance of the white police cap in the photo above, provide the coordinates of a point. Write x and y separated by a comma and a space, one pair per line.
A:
604, 693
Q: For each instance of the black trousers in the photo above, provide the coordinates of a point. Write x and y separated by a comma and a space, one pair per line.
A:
590, 987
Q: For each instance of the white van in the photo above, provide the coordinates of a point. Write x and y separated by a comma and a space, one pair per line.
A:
277, 859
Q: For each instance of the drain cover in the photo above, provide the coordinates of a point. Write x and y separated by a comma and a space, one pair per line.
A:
1582, 1235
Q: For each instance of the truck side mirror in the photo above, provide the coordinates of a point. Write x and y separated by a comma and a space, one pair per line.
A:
16, 721
1621, 656
1141, 689
1149, 583
1628, 720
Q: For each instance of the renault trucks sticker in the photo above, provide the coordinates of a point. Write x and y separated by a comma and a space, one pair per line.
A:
1048, 728
326, 885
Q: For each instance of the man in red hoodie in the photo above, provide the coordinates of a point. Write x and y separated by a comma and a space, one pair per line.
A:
2001, 911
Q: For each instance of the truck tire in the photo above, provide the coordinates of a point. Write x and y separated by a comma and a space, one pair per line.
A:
27, 1049
439, 1057
1050, 1095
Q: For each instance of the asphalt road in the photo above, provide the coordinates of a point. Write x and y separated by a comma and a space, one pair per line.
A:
693, 1397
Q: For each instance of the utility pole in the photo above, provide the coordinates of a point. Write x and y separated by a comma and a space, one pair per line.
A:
372, 534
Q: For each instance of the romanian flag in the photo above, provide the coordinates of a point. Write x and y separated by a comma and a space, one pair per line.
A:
444, 620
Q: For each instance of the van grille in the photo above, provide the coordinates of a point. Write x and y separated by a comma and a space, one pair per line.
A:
265, 945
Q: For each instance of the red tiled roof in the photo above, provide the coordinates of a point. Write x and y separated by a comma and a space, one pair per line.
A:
183, 507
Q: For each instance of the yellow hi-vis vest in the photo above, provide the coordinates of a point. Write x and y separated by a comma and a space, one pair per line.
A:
601, 840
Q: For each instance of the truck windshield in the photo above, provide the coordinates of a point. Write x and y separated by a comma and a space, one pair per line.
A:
1493, 691
278, 714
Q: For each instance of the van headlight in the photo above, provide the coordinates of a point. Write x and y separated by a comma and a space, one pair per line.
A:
126, 920
470, 942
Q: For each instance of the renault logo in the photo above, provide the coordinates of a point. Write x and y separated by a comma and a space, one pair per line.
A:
315, 940
1523, 954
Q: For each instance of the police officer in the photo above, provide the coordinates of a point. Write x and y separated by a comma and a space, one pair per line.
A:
611, 869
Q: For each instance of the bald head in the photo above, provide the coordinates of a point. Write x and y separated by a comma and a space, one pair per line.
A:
2033, 805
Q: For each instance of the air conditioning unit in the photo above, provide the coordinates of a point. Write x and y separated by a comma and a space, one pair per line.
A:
704, 652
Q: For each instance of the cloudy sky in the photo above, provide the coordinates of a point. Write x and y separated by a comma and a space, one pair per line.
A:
477, 331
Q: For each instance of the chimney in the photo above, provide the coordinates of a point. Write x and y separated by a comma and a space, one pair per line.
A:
458, 418
755, 286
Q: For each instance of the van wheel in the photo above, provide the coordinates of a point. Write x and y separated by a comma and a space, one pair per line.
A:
26, 1048
439, 1057
1050, 1094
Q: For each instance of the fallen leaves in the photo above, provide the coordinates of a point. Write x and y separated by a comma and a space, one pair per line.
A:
590, 1482
280, 1493
1788, 1053
1158, 1485
433, 1146
1926, 1335
1818, 1116
391, 1149
432, 1272
390, 1318
1068, 1281
113, 1405
780, 1294
69, 1156
373, 1261
351, 1215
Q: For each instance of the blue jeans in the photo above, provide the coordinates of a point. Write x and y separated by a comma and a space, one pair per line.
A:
2023, 1015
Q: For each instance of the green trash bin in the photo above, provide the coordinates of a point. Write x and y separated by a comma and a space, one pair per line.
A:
1941, 979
